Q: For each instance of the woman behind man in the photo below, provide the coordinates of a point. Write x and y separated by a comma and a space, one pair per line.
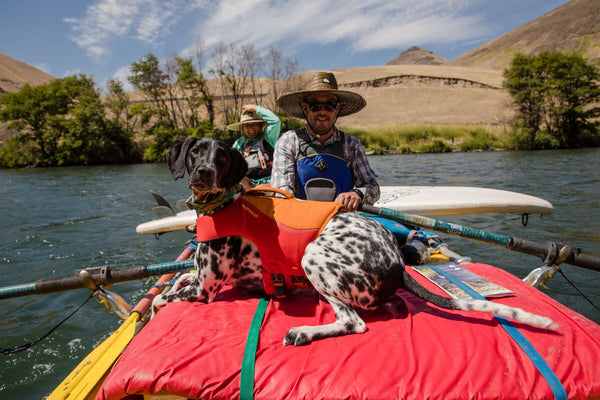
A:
260, 128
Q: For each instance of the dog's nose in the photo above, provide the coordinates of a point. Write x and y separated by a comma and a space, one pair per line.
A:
202, 173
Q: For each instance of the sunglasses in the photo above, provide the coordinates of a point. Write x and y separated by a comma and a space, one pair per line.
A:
329, 106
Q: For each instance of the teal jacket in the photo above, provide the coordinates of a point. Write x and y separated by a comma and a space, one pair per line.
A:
271, 133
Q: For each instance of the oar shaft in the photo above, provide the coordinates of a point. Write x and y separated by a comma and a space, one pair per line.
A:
438, 226
567, 254
93, 278
572, 255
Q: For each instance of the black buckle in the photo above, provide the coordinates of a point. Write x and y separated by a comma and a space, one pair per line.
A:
300, 281
278, 285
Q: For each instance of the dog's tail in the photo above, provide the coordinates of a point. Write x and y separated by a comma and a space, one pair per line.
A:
502, 310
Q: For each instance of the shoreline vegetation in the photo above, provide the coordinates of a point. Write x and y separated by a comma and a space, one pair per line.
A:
396, 140
555, 97
411, 139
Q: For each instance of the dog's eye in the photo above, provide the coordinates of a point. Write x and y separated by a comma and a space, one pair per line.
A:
195, 152
222, 157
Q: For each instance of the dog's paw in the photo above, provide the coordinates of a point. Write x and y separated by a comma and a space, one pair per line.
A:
296, 337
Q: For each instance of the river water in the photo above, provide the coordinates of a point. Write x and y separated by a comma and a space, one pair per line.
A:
56, 220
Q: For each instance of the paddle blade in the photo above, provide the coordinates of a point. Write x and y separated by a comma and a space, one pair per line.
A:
161, 201
162, 212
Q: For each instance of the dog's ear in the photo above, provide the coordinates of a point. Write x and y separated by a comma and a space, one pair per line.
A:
177, 157
239, 167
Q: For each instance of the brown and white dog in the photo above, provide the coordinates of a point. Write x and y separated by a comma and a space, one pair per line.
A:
354, 263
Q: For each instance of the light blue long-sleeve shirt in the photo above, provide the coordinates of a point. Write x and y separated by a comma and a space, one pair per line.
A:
271, 133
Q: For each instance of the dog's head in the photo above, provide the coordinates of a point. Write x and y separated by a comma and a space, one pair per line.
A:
213, 166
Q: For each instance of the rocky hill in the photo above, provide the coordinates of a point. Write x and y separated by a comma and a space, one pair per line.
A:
573, 27
417, 56
15, 73
427, 94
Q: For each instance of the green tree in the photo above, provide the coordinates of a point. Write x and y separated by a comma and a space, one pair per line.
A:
118, 104
90, 137
147, 76
62, 123
526, 88
174, 98
197, 91
556, 97
572, 92
36, 112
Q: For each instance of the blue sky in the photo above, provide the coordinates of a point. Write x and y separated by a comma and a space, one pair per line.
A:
101, 38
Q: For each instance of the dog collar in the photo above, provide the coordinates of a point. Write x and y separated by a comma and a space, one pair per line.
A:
218, 203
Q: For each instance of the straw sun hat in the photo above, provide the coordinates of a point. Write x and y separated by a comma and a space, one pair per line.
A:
322, 82
248, 117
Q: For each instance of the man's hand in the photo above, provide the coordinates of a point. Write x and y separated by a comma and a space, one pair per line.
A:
350, 200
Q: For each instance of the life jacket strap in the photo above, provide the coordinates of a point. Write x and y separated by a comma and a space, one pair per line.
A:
278, 285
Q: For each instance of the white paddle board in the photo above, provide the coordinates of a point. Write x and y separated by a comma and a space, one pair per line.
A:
427, 200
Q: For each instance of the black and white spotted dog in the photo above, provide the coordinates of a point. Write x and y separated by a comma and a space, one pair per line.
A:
354, 263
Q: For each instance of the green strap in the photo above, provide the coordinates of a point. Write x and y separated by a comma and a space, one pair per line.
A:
247, 372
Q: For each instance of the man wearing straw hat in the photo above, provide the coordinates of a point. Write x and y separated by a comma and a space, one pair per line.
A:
319, 161
260, 129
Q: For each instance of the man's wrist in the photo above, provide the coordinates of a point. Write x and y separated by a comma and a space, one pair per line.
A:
360, 194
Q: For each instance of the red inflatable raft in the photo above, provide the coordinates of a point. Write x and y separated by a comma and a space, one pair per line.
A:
412, 350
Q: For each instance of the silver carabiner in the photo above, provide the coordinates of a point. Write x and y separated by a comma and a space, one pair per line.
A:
114, 303
539, 276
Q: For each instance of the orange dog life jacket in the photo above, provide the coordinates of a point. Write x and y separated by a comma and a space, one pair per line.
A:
281, 228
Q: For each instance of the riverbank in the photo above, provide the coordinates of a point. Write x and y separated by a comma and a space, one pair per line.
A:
408, 139
405, 139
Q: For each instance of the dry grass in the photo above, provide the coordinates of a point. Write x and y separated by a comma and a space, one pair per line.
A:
439, 95
484, 76
14, 73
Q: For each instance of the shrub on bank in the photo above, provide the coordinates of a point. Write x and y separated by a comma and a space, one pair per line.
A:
17, 152
425, 139
479, 139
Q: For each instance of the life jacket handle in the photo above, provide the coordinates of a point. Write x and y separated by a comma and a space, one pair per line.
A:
261, 189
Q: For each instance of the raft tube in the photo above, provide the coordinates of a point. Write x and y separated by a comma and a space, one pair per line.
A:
411, 350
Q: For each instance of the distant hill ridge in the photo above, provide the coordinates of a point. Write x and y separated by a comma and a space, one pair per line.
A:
417, 56
14, 74
572, 27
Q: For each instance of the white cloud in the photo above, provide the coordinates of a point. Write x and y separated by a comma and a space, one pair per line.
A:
71, 72
292, 26
361, 24
121, 75
428, 30
148, 21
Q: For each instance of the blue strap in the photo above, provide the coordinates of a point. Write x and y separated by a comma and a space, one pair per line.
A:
192, 245
159, 285
400, 231
538, 361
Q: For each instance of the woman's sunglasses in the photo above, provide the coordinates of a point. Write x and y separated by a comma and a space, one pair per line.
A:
330, 106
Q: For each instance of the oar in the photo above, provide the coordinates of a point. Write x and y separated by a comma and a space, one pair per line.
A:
92, 278
554, 253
